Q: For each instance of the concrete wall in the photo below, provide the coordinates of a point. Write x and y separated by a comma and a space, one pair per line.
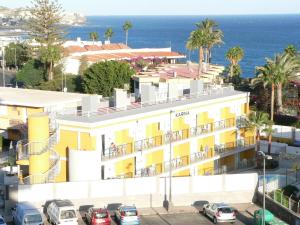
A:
144, 192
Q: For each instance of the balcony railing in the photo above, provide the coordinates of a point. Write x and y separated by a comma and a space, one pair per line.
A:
149, 143
179, 162
25, 150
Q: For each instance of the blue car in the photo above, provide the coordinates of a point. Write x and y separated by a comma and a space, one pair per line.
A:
127, 215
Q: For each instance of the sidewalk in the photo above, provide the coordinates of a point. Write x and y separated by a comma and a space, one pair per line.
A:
162, 210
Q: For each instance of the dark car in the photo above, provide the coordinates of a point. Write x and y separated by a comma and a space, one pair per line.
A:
97, 216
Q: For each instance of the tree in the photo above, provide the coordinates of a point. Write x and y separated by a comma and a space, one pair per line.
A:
257, 121
234, 55
287, 69
108, 34
94, 36
45, 27
291, 50
16, 54
127, 25
198, 40
265, 76
101, 78
31, 75
83, 64
215, 36
269, 131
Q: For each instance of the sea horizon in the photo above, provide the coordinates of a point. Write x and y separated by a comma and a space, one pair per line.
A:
260, 35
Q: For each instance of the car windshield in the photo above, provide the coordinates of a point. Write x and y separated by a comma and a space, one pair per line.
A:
35, 218
225, 210
1, 221
67, 214
101, 215
130, 213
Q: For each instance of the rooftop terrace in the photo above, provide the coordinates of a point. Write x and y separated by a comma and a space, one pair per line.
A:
108, 113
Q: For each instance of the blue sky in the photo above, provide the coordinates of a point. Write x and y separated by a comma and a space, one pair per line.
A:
172, 7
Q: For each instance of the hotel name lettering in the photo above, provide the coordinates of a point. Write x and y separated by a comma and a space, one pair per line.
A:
186, 113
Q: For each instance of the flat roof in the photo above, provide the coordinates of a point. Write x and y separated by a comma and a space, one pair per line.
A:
36, 98
104, 114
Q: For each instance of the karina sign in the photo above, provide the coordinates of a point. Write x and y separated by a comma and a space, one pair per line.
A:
186, 113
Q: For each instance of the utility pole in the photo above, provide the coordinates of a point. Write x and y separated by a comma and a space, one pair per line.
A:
170, 162
3, 64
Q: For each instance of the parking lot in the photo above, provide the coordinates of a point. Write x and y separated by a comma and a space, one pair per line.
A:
181, 219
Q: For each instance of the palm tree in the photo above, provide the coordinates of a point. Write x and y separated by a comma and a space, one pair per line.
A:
198, 40
109, 33
234, 55
291, 50
269, 131
257, 121
127, 25
215, 36
94, 36
288, 68
265, 76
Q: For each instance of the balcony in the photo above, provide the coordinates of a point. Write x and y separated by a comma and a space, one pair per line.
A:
185, 162
175, 136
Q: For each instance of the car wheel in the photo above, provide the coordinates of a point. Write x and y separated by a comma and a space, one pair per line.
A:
215, 220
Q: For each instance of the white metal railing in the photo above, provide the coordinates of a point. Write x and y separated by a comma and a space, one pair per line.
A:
25, 150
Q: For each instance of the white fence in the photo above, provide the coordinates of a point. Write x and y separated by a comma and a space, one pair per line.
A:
144, 192
285, 132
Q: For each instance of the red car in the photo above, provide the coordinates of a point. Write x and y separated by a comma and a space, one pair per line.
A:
97, 216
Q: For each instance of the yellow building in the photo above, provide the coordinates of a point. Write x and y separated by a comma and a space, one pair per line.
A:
202, 134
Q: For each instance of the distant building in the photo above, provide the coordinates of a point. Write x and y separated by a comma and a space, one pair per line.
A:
98, 52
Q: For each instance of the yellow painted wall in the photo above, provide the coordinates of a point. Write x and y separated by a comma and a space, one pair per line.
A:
228, 138
152, 131
245, 108
249, 154
125, 167
178, 152
87, 142
38, 134
229, 161
122, 137
226, 114
203, 118
31, 111
202, 143
155, 158
178, 124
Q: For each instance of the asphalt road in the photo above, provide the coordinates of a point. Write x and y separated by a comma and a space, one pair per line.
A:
184, 219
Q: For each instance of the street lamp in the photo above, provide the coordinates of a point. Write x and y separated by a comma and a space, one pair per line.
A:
264, 182
170, 159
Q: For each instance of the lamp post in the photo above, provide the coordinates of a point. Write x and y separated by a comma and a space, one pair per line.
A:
264, 182
170, 159
3, 63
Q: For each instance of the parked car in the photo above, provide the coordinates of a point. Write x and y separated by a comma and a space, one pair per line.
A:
2, 221
62, 212
220, 212
26, 214
127, 215
97, 216
199, 205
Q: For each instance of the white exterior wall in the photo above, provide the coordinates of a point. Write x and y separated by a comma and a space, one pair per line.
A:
231, 188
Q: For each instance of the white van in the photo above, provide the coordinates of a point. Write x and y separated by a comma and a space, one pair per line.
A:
26, 214
62, 212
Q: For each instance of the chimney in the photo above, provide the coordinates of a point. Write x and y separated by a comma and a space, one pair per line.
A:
175, 74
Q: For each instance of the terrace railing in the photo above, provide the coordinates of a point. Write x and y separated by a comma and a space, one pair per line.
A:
25, 150
185, 161
149, 143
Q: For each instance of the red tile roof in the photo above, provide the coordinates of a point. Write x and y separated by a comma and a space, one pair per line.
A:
85, 48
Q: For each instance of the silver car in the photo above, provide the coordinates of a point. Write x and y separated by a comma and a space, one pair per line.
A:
220, 212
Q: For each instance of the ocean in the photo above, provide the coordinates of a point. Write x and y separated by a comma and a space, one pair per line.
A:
260, 36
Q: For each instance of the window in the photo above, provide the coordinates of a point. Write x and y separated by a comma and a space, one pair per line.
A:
225, 210
131, 213
101, 215
35, 218
67, 214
